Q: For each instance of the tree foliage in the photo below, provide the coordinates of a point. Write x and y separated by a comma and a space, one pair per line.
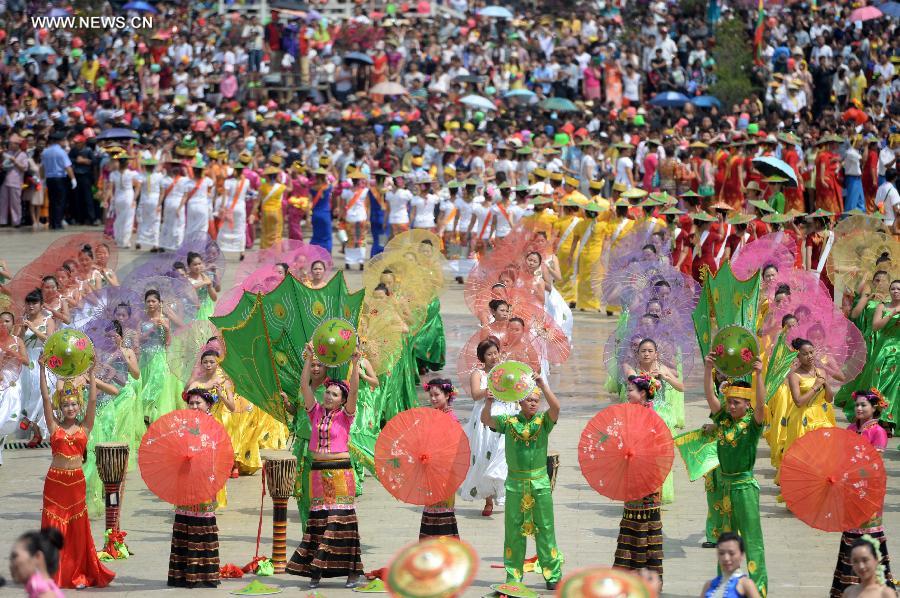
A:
733, 54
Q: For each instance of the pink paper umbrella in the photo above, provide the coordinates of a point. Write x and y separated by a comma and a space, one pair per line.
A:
511, 347
840, 349
769, 250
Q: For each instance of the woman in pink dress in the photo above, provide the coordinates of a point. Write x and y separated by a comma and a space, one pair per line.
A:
593, 74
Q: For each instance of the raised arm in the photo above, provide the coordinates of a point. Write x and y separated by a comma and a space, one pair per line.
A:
486, 418
759, 407
45, 398
306, 391
552, 401
709, 386
353, 395
91, 409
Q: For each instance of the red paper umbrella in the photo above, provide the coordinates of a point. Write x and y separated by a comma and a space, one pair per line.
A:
626, 452
69, 246
31, 276
422, 456
833, 479
548, 338
185, 457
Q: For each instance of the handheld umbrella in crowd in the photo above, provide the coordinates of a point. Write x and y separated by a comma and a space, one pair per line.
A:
185, 457
603, 582
422, 456
833, 479
68, 353
625, 452
437, 568
760, 254
511, 381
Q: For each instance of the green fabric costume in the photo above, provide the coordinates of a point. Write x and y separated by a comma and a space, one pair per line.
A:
717, 519
207, 305
118, 419
736, 447
429, 342
529, 503
776, 202
160, 389
400, 385
364, 432
882, 369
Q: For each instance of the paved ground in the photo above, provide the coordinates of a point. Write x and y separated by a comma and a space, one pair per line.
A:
800, 559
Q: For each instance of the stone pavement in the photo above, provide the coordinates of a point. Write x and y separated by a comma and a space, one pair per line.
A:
800, 559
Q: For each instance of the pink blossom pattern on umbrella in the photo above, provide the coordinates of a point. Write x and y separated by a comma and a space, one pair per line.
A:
768, 250
517, 348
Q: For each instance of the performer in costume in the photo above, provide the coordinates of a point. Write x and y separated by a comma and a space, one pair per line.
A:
355, 211
731, 581
120, 415
732, 190
868, 405
648, 365
738, 428
811, 394
159, 388
64, 488
865, 557
268, 210
149, 208
526, 437
706, 241
174, 187
203, 284
793, 195
36, 326
14, 356
563, 230
321, 210
881, 371
818, 246
197, 201
587, 246
233, 211
331, 545
234, 412
124, 192
829, 195
194, 556
640, 541
429, 342
485, 478
439, 519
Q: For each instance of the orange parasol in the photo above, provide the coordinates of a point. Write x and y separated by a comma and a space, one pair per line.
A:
422, 456
833, 479
626, 452
185, 457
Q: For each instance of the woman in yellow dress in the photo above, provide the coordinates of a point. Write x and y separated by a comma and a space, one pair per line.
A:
813, 399
587, 247
269, 210
233, 411
563, 230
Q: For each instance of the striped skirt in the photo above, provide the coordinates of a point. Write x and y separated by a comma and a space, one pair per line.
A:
194, 560
439, 520
330, 546
843, 571
640, 542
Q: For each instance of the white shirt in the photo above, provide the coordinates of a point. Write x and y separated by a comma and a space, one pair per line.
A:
122, 182
398, 201
888, 196
356, 212
886, 157
464, 211
424, 207
623, 166
504, 226
481, 229
851, 163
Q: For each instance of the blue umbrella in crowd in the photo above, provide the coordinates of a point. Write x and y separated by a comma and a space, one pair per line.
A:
358, 57
497, 12
141, 6
669, 99
559, 105
117, 134
519, 93
771, 166
890, 9
480, 102
706, 102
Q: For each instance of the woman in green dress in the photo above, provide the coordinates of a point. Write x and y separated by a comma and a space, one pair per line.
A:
430, 343
119, 412
882, 370
160, 392
203, 284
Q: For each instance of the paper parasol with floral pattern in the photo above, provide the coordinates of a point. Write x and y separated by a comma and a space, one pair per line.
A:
511, 381
68, 353
185, 457
334, 342
833, 479
422, 456
600, 582
436, 568
626, 452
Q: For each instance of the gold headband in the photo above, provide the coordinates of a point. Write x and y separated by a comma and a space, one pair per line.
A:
739, 392
68, 391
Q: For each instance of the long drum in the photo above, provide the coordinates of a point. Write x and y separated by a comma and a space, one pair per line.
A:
112, 463
280, 473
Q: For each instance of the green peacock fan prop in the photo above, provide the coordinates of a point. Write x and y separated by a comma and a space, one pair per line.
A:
265, 335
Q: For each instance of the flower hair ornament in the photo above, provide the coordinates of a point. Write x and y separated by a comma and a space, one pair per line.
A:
876, 546
652, 383
209, 397
873, 396
446, 387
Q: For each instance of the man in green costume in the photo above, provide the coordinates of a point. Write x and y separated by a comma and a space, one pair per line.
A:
738, 428
529, 503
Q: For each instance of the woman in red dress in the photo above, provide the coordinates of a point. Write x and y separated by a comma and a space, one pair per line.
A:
816, 249
828, 185
793, 195
706, 243
65, 507
733, 181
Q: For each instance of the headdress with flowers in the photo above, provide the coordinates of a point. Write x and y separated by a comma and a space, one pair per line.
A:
446, 387
874, 396
652, 383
